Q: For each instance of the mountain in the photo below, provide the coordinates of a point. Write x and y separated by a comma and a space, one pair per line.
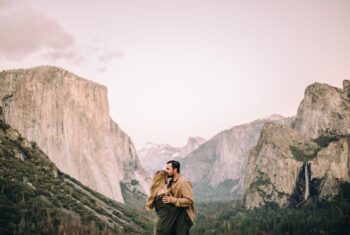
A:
324, 109
311, 157
217, 167
37, 198
192, 144
154, 156
68, 117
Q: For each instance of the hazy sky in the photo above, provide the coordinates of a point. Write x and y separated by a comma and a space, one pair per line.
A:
176, 69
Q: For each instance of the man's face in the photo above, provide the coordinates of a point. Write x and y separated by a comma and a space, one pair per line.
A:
170, 170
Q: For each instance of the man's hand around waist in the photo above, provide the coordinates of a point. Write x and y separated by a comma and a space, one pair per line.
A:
169, 199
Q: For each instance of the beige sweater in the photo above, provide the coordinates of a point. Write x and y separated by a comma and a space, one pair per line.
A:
182, 190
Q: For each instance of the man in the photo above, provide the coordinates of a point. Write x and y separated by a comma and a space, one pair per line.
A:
181, 195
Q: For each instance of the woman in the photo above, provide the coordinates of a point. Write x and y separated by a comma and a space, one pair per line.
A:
170, 217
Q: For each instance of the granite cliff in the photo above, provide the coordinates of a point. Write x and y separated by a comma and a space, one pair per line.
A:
68, 117
310, 158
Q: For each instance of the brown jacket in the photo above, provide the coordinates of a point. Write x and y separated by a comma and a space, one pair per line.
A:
182, 190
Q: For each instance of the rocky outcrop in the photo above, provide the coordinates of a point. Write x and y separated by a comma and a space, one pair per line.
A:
324, 109
331, 167
68, 117
155, 156
311, 158
272, 169
192, 144
218, 166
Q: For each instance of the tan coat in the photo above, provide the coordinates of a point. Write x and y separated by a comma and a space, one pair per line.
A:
182, 191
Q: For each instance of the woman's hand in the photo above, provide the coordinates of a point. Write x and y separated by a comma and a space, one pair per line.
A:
169, 199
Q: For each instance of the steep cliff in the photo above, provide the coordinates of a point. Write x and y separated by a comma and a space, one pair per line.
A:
324, 109
310, 158
68, 117
218, 166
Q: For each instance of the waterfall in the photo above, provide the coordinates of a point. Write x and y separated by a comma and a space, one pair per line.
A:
307, 187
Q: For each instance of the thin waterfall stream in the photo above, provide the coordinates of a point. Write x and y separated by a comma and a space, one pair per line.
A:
307, 187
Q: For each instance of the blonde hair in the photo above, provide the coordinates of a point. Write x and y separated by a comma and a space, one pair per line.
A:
159, 181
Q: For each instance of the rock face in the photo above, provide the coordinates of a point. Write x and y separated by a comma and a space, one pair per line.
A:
332, 166
309, 158
272, 169
218, 166
68, 117
192, 144
154, 156
324, 109
2, 117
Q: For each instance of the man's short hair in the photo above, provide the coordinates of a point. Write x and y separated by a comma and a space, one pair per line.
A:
175, 165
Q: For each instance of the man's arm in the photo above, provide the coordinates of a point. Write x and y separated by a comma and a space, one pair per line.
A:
186, 199
187, 196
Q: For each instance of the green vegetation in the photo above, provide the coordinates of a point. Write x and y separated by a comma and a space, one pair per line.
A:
314, 217
305, 151
325, 139
36, 198
134, 198
308, 150
205, 192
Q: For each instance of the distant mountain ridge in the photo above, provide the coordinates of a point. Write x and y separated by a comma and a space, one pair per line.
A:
154, 156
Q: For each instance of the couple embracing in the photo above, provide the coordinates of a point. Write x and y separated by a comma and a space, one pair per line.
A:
172, 201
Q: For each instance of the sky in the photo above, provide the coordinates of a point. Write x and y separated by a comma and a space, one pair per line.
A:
176, 69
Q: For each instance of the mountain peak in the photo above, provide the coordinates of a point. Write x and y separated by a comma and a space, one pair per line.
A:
48, 73
197, 138
154, 156
324, 109
274, 117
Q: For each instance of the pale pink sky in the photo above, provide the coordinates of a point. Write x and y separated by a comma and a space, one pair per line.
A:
184, 68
